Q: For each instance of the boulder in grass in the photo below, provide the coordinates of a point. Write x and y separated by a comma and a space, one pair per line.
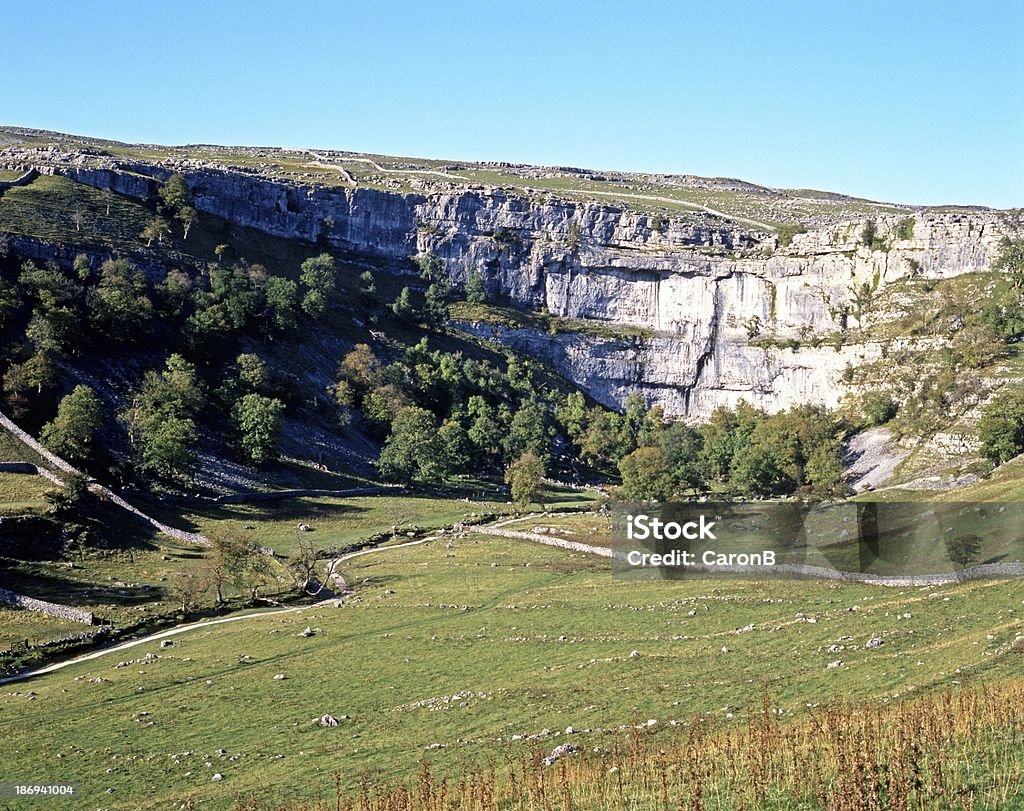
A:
328, 720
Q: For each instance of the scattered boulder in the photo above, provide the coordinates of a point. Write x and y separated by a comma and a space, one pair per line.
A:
307, 631
560, 751
835, 664
302, 527
217, 777
634, 654
167, 643
875, 642
280, 677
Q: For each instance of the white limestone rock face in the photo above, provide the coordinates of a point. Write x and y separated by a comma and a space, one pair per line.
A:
695, 286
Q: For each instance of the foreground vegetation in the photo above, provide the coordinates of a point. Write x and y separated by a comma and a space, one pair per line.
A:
449, 654
961, 748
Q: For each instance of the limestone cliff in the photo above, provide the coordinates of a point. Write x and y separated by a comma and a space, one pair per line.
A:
720, 307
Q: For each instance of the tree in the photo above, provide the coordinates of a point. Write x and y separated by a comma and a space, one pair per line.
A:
158, 228
455, 446
257, 572
187, 587
174, 194
226, 562
175, 290
403, 308
879, 407
476, 289
645, 475
572, 416
964, 549
367, 286
485, 429
318, 275
258, 422
528, 431
79, 416
10, 300
430, 265
681, 447
361, 367
756, 471
524, 477
160, 419
281, 297
120, 306
187, 216
436, 304
1001, 428
414, 450
82, 267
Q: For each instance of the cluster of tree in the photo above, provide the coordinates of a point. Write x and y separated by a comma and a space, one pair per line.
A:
174, 202
161, 419
1001, 428
743, 451
441, 413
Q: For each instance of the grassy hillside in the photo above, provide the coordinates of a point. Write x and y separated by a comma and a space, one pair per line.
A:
450, 653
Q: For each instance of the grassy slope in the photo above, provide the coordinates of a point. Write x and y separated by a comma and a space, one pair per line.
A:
680, 194
337, 522
532, 638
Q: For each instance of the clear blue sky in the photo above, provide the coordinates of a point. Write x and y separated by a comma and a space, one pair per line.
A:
918, 102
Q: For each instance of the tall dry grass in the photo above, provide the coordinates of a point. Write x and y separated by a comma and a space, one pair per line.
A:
957, 749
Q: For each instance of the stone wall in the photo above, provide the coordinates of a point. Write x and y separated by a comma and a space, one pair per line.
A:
64, 612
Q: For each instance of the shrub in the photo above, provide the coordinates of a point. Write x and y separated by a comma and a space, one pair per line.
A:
787, 231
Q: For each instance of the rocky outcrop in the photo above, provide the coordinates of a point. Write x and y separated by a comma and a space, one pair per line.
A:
722, 307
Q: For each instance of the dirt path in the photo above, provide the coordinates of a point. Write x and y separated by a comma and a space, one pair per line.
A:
201, 624
695, 206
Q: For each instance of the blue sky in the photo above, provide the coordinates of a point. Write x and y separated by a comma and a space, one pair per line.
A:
918, 102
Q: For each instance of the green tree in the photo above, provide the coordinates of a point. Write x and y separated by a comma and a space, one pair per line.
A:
175, 291
367, 286
403, 307
10, 300
414, 450
174, 194
681, 446
188, 217
430, 265
963, 550
645, 475
120, 305
436, 304
79, 416
529, 431
572, 416
257, 420
756, 471
318, 276
524, 478
476, 289
1001, 428
456, 446
485, 429
157, 228
160, 420
281, 297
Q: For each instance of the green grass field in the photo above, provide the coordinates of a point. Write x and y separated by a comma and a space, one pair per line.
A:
447, 653
337, 522
22, 493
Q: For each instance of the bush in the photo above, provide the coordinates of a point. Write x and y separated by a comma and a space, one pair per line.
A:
787, 231
879, 407
1001, 429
